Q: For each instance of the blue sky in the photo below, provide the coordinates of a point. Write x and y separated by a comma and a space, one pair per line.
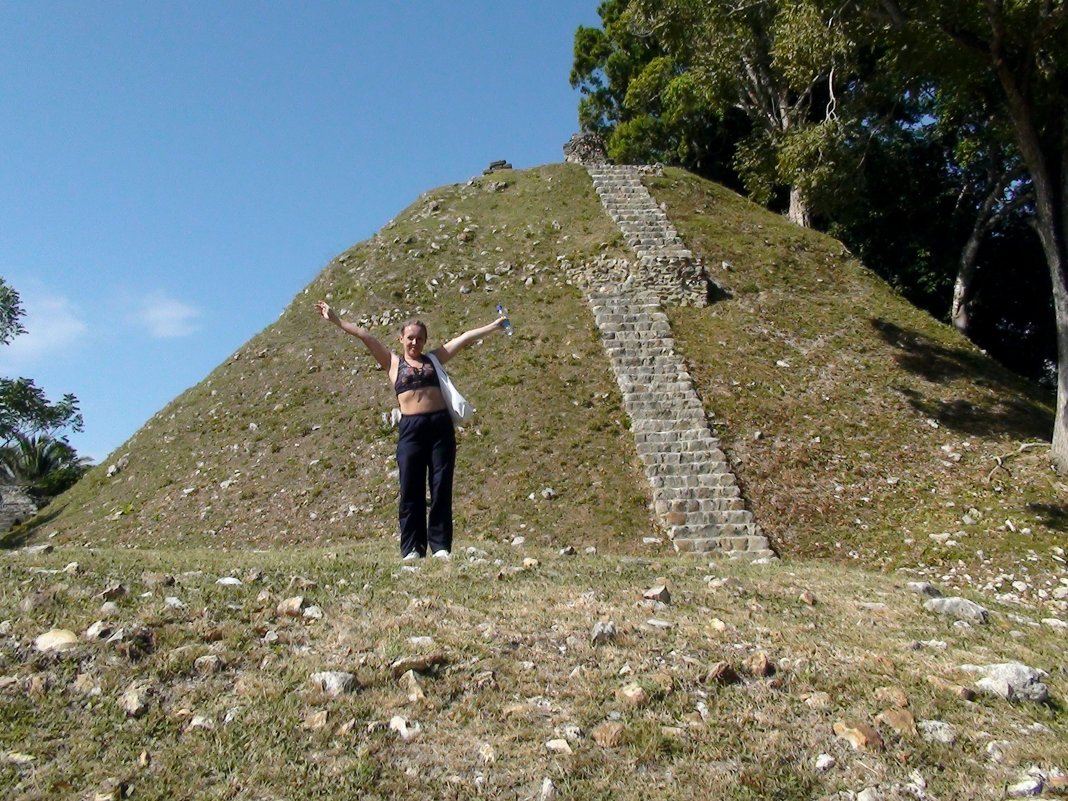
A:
174, 173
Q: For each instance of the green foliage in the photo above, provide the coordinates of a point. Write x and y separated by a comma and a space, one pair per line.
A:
10, 313
645, 106
24, 408
44, 466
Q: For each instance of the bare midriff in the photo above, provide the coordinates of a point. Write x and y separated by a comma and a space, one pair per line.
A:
421, 401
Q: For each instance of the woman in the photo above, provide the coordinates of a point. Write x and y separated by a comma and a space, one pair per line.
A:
426, 449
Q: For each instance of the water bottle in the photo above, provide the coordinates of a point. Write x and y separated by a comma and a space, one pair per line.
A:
506, 324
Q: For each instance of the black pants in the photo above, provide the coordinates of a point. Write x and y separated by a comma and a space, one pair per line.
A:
426, 454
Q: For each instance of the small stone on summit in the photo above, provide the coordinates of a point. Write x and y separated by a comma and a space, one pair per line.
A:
759, 665
806, 597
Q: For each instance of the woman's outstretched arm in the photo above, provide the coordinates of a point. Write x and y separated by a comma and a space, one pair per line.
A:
454, 346
382, 354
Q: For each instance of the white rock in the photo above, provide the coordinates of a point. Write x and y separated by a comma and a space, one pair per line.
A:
1010, 680
1026, 788
997, 750
924, 588
937, 731
56, 640
173, 603
959, 608
825, 762
313, 613
548, 790
334, 682
229, 581
559, 746
1055, 623
869, 794
405, 728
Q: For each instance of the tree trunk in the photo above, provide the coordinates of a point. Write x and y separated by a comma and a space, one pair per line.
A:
963, 287
799, 211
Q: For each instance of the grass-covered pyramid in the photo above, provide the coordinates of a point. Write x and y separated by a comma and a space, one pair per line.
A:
219, 611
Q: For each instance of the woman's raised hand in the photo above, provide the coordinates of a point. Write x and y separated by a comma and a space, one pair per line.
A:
326, 312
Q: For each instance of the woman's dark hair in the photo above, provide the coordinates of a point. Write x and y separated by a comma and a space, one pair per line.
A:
420, 323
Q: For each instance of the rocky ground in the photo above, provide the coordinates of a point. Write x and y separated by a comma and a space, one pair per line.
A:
515, 671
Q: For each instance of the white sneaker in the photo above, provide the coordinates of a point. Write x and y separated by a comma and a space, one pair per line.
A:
442, 554
412, 555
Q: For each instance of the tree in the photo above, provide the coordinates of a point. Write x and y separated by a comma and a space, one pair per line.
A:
43, 466
787, 65
1023, 46
634, 99
24, 408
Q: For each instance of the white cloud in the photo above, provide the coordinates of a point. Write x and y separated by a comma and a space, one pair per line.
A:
165, 317
53, 326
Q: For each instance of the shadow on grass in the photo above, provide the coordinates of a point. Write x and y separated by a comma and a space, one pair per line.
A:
1018, 413
1054, 515
715, 293
19, 534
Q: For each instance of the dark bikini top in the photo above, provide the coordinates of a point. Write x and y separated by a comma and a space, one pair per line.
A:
409, 378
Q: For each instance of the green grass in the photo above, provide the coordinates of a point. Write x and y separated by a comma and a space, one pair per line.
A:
520, 670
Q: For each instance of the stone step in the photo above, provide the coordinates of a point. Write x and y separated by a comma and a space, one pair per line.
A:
729, 504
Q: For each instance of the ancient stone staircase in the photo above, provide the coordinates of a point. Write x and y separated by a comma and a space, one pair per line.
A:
695, 495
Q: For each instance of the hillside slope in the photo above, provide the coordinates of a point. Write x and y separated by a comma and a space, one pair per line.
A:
860, 428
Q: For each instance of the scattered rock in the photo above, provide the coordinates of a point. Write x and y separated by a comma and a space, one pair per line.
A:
38, 550
133, 641
861, 736
208, 665
230, 581
405, 728
98, 631
937, 731
759, 665
806, 597
603, 632
722, 673
154, 580
559, 746
568, 551
420, 664
817, 700
1025, 788
334, 682
824, 762
924, 588
113, 592
291, 607
894, 696
316, 720
411, 684
313, 613
547, 791
900, 720
1011, 681
997, 750
963, 693
608, 734
134, 701
959, 608
56, 640
659, 593
633, 695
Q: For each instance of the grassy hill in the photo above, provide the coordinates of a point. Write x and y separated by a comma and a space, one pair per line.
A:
873, 444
